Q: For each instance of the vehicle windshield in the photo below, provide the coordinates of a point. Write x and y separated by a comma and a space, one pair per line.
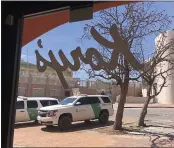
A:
67, 101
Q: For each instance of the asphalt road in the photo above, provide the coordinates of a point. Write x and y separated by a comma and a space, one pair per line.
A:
154, 115
161, 120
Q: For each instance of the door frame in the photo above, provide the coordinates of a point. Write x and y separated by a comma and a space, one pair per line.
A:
13, 13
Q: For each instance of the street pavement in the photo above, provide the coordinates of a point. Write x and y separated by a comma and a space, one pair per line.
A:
157, 116
160, 115
159, 134
160, 123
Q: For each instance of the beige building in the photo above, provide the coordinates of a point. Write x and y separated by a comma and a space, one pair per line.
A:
34, 83
167, 94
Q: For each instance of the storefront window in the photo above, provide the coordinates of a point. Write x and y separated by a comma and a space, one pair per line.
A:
102, 49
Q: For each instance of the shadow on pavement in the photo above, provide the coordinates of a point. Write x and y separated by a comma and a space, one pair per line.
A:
144, 132
163, 126
158, 139
79, 126
26, 125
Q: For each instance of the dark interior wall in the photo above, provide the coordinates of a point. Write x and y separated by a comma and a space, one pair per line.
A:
10, 55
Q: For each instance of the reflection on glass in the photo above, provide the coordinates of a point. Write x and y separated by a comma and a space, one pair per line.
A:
67, 101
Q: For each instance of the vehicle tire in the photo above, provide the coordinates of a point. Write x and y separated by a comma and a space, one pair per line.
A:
104, 117
87, 122
49, 126
64, 123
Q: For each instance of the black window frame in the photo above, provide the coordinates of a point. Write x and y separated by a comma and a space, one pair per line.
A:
32, 101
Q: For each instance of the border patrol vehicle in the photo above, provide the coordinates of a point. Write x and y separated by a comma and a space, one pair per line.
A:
27, 107
77, 108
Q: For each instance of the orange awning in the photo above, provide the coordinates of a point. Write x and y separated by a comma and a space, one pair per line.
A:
36, 26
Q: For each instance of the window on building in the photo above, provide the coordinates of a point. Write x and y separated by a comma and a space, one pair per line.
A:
32, 104
20, 105
106, 100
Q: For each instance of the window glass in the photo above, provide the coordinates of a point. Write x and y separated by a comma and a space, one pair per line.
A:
67, 101
83, 101
106, 100
53, 102
48, 102
20, 105
89, 100
32, 104
44, 102
95, 100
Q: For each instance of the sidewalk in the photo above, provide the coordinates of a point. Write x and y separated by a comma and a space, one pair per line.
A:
151, 105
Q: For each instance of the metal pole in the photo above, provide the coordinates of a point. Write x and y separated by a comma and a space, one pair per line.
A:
27, 61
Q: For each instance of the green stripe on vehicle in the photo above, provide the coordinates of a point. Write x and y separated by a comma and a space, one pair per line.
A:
32, 112
96, 109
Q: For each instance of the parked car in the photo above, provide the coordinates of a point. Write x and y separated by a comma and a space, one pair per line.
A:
77, 108
27, 107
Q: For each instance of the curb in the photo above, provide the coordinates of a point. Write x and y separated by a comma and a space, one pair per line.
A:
149, 107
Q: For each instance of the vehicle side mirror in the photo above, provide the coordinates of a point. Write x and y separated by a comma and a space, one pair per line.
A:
78, 103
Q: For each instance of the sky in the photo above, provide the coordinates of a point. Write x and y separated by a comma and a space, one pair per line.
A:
65, 37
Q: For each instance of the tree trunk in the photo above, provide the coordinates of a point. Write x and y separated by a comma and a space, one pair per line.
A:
120, 109
144, 112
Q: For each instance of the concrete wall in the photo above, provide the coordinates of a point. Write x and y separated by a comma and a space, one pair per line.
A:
135, 100
135, 89
87, 91
43, 86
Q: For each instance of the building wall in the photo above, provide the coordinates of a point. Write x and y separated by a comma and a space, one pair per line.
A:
34, 83
167, 94
88, 91
134, 89
135, 100
41, 87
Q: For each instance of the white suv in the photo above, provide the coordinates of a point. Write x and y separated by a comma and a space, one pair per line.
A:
76, 108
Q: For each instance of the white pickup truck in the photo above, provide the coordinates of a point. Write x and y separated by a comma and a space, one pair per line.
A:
76, 108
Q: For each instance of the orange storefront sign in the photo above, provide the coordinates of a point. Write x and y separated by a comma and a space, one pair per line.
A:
36, 26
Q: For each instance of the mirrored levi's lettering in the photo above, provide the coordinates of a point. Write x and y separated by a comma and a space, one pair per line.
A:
118, 45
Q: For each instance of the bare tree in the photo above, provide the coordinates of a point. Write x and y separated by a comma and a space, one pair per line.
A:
131, 24
157, 70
